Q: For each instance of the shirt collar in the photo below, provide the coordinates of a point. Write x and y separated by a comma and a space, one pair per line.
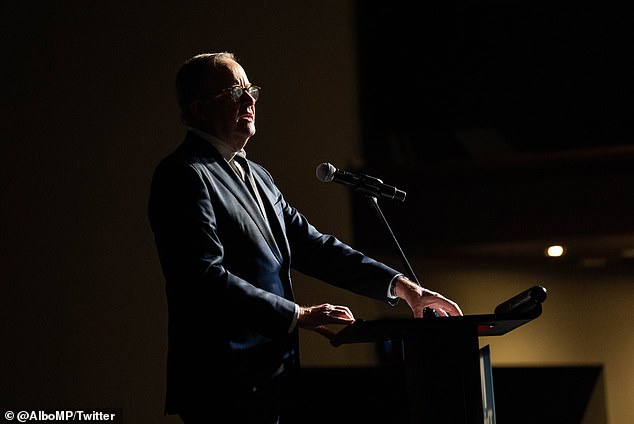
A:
226, 151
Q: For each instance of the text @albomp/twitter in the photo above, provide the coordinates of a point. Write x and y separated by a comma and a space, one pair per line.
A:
82, 416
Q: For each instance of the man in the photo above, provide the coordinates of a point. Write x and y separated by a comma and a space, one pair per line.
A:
227, 240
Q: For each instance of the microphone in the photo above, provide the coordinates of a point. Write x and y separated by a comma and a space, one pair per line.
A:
326, 173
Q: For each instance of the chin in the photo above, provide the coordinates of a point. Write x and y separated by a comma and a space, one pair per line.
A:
248, 130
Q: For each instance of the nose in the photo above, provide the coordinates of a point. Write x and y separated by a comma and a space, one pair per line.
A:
251, 97
247, 98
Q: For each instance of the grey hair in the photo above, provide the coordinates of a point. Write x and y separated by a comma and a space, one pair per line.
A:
190, 79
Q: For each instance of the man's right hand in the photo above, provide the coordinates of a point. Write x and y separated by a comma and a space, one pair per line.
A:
315, 318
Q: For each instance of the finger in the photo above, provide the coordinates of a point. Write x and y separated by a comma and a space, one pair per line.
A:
347, 311
342, 312
341, 321
447, 306
453, 309
331, 319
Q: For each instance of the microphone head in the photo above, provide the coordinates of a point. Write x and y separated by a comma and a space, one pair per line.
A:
326, 172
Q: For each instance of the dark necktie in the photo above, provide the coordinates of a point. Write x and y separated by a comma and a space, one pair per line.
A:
250, 181
273, 225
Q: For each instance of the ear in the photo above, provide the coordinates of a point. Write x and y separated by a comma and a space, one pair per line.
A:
196, 108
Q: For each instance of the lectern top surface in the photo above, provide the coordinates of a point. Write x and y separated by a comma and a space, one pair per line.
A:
363, 331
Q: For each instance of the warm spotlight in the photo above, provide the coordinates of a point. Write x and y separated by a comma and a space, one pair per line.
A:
555, 251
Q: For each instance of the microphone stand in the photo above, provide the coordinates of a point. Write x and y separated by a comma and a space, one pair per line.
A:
375, 204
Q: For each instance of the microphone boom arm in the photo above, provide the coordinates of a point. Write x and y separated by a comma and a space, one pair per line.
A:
375, 205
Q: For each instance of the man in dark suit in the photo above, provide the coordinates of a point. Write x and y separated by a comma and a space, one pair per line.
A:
227, 240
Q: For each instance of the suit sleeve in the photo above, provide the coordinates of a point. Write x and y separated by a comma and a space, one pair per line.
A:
325, 257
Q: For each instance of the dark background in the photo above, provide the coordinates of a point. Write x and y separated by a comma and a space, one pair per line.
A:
507, 123
541, 77
502, 120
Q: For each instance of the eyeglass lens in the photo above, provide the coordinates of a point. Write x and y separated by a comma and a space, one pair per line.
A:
237, 92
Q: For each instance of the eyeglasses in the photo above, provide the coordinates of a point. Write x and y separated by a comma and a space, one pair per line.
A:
236, 93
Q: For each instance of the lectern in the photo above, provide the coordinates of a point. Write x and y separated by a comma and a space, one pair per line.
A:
441, 356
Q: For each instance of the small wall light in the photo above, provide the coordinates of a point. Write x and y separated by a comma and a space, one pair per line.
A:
555, 251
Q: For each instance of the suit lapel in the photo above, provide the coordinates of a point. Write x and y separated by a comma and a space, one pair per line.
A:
276, 223
227, 177
242, 194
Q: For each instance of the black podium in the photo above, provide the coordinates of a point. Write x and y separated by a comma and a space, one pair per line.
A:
441, 358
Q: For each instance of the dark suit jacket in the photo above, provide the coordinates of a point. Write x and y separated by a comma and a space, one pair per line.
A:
228, 273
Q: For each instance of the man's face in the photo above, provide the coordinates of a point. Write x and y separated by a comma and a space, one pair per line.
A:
229, 120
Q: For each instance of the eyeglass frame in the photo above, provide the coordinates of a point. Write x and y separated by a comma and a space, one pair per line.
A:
232, 90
